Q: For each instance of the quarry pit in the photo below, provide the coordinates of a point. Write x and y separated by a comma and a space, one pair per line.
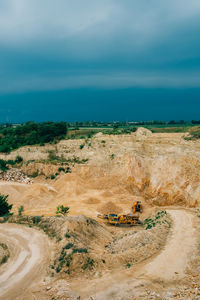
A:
100, 261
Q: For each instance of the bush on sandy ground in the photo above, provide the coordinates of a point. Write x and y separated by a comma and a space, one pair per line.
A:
194, 134
4, 253
5, 207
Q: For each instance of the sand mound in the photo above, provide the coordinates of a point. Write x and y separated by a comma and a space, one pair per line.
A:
109, 208
99, 134
143, 132
92, 201
107, 194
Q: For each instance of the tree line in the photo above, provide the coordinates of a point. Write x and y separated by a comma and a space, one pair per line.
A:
30, 133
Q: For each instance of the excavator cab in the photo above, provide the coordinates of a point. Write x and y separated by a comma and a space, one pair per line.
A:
137, 207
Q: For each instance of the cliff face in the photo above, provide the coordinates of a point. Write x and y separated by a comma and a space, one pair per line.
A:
165, 180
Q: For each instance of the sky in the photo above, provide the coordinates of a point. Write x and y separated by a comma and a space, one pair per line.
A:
102, 60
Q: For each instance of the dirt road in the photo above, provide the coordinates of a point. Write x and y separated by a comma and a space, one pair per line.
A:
166, 267
171, 263
29, 253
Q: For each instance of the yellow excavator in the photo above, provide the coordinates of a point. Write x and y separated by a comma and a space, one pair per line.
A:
137, 207
129, 219
114, 219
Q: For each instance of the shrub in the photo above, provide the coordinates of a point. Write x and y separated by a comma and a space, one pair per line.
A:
36, 219
68, 260
67, 235
82, 146
112, 156
68, 170
62, 210
11, 162
80, 250
20, 210
89, 263
194, 134
68, 246
18, 159
35, 174
5, 208
3, 165
150, 223
52, 155
4, 259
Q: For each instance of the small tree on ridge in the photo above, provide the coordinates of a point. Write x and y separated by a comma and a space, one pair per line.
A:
5, 207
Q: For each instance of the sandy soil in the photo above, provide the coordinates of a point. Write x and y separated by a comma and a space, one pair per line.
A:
172, 261
29, 254
170, 265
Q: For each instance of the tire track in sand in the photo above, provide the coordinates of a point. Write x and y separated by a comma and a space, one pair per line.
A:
169, 265
29, 253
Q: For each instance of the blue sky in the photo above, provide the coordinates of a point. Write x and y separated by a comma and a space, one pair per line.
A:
101, 60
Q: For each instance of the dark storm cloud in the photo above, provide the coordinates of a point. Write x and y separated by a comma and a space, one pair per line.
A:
52, 45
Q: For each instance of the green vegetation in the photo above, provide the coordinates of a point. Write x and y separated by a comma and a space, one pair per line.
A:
63, 210
82, 146
30, 133
61, 169
34, 174
117, 131
54, 159
36, 219
5, 208
88, 264
18, 159
68, 246
4, 164
4, 259
6, 253
152, 222
63, 262
80, 250
194, 134
67, 235
20, 210
87, 129
112, 156
4, 246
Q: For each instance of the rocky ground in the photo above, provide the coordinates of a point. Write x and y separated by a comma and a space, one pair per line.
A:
15, 175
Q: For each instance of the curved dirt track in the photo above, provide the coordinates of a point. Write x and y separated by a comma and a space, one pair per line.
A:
170, 265
29, 253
